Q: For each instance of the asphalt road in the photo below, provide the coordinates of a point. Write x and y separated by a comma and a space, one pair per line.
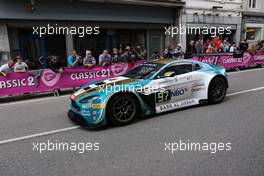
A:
139, 149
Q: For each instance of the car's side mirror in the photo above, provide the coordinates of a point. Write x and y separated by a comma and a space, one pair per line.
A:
158, 77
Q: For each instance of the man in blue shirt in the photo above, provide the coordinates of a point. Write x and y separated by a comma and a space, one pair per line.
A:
73, 60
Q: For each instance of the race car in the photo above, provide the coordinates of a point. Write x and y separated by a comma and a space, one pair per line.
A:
150, 88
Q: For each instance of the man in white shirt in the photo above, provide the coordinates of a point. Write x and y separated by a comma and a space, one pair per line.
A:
105, 58
20, 66
7, 68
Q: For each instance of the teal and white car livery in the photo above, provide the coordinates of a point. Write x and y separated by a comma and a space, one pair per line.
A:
153, 87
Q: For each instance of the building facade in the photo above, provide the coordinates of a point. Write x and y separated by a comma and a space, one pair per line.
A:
253, 20
212, 13
121, 22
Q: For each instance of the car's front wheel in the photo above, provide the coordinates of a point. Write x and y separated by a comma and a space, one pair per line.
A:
122, 109
217, 90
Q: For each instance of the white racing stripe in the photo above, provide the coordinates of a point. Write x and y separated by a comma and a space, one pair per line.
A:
76, 127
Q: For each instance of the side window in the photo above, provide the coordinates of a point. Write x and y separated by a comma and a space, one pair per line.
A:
183, 68
167, 72
175, 70
196, 67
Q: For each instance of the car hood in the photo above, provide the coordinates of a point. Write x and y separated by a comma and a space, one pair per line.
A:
98, 87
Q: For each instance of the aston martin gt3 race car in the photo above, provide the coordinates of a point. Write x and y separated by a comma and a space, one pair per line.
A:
153, 87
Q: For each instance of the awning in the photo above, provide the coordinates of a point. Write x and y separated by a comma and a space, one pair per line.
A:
161, 3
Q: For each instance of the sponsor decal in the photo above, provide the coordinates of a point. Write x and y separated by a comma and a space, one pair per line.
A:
211, 60
104, 73
163, 96
185, 78
246, 57
259, 58
119, 69
198, 86
179, 92
176, 105
14, 83
86, 112
98, 106
50, 78
232, 60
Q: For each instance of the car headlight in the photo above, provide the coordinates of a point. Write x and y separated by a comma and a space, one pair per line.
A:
90, 99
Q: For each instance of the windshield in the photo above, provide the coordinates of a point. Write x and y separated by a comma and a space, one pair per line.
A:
143, 71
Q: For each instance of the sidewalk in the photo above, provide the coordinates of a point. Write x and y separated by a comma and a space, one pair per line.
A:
26, 96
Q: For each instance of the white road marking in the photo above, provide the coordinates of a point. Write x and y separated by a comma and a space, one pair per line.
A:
35, 100
245, 91
76, 127
38, 135
244, 71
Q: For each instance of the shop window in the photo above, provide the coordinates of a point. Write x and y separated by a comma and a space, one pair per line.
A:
252, 3
130, 37
95, 43
253, 33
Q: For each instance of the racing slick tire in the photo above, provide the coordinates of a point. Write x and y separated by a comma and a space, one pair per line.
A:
217, 90
122, 109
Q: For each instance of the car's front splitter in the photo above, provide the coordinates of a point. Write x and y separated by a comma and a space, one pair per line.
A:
79, 119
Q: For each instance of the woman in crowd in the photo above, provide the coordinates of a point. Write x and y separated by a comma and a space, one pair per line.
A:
233, 48
210, 49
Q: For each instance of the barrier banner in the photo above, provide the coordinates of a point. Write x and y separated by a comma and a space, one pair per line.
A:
46, 79
229, 61
258, 58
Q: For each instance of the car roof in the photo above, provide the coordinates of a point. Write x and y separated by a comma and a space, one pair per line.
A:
169, 61
162, 61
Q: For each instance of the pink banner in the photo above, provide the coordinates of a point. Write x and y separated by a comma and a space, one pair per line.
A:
228, 61
43, 80
258, 58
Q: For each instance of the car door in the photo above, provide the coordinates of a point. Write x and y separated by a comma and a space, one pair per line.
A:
183, 82
175, 91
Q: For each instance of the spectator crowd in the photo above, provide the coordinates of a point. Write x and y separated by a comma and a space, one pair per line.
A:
215, 45
106, 58
131, 54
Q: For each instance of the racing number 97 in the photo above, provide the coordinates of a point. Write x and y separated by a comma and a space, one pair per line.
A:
163, 96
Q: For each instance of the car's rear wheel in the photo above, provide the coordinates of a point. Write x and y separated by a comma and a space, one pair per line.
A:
122, 109
217, 90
